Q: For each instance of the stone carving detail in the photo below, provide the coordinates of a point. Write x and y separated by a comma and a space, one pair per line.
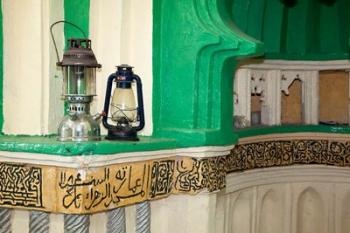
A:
161, 177
292, 199
86, 190
109, 187
258, 82
20, 185
282, 153
200, 174
288, 78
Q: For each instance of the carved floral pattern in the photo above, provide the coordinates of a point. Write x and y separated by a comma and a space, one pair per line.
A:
283, 153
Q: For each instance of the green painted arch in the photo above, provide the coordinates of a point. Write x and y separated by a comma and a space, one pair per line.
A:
297, 29
195, 46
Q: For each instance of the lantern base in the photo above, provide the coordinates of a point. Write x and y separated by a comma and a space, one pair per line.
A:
79, 128
129, 135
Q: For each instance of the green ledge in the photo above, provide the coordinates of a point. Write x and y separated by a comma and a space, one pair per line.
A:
264, 130
49, 145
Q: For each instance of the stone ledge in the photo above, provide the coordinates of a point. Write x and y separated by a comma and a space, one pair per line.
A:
50, 146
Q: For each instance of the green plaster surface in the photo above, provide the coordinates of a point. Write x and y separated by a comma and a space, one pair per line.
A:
301, 30
1, 72
256, 131
50, 145
77, 12
195, 46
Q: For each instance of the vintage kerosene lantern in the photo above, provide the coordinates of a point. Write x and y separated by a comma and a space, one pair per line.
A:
126, 118
79, 87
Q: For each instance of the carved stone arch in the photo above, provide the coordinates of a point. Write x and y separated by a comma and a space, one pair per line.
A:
345, 213
310, 212
271, 215
240, 209
289, 78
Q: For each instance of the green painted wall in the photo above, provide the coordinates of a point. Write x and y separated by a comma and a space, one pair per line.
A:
195, 44
302, 30
1, 71
195, 47
77, 12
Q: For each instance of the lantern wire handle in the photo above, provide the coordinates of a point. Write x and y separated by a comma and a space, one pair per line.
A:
53, 38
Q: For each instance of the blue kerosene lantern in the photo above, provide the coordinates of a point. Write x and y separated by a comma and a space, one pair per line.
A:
121, 116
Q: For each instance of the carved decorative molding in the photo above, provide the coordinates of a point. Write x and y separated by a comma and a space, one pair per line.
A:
285, 199
267, 64
90, 190
94, 189
258, 81
288, 152
270, 78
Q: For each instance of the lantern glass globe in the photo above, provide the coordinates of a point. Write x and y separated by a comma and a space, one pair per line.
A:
123, 106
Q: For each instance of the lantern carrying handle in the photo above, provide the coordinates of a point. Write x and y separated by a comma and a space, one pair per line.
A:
140, 110
53, 38
107, 97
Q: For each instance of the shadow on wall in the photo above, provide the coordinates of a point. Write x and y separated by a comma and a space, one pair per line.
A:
297, 29
292, 3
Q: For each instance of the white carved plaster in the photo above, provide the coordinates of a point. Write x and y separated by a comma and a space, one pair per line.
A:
310, 94
243, 94
296, 65
295, 199
288, 77
104, 160
271, 105
270, 77
258, 81
303, 199
184, 213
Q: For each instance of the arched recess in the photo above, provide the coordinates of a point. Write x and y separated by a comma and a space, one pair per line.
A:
271, 213
195, 46
310, 212
296, 29
345, 214
240, 210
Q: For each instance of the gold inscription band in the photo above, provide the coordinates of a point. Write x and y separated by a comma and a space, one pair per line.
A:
95, 189
90, 190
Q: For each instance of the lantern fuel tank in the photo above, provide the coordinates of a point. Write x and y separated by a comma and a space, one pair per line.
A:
79, 88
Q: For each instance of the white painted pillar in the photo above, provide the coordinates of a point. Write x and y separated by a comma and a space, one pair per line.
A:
105, 35
184, 213
310, 92
31, 93
271, 105
121, 33
20, 221
98, 223
242, 90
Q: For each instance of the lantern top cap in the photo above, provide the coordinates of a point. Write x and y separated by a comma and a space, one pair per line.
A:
79, 53
124, 67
